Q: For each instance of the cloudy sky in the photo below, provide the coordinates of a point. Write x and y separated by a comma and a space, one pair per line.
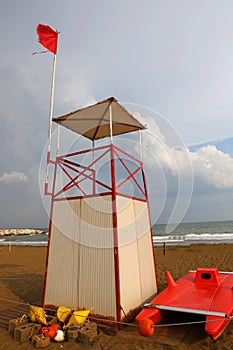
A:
170, 62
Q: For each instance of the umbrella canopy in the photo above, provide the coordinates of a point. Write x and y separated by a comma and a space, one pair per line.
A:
94, 121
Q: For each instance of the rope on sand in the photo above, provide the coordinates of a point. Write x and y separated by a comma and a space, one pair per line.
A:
127, 323
14, 301
224, 257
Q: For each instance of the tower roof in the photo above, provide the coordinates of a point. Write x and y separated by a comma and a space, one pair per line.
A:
94, 121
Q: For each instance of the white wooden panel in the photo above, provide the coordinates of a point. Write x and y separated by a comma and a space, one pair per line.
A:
81, 259
125, 221
129, 277
62, 271
137, 270
146, 267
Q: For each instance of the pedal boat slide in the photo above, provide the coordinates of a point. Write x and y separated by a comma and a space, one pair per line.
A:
205, 291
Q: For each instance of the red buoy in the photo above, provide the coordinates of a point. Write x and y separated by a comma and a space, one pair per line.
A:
55, 326
146, 327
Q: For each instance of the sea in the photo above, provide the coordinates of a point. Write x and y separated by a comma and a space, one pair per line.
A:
210, 232
194, 232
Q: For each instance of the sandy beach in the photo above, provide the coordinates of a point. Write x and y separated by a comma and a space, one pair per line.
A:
21, 280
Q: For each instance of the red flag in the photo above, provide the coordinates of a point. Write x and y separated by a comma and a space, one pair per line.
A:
47, 37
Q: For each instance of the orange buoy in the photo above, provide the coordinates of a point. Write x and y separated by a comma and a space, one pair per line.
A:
146, 327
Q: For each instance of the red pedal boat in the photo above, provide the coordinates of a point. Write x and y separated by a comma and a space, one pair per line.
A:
205, 291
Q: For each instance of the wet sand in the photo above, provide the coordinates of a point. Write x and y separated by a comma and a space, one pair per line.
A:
21, 280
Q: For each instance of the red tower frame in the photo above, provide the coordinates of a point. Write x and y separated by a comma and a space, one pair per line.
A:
95, 172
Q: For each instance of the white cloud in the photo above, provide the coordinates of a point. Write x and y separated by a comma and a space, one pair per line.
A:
214, 167
208, 164
169, 169
176, 175
13, 176
157, 139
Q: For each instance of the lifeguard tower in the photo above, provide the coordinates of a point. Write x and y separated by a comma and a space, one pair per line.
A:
100, 251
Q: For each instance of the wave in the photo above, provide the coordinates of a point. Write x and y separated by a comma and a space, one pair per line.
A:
24, 243
193, 238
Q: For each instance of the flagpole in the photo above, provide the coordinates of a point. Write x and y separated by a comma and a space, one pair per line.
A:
50, 124
49, 39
